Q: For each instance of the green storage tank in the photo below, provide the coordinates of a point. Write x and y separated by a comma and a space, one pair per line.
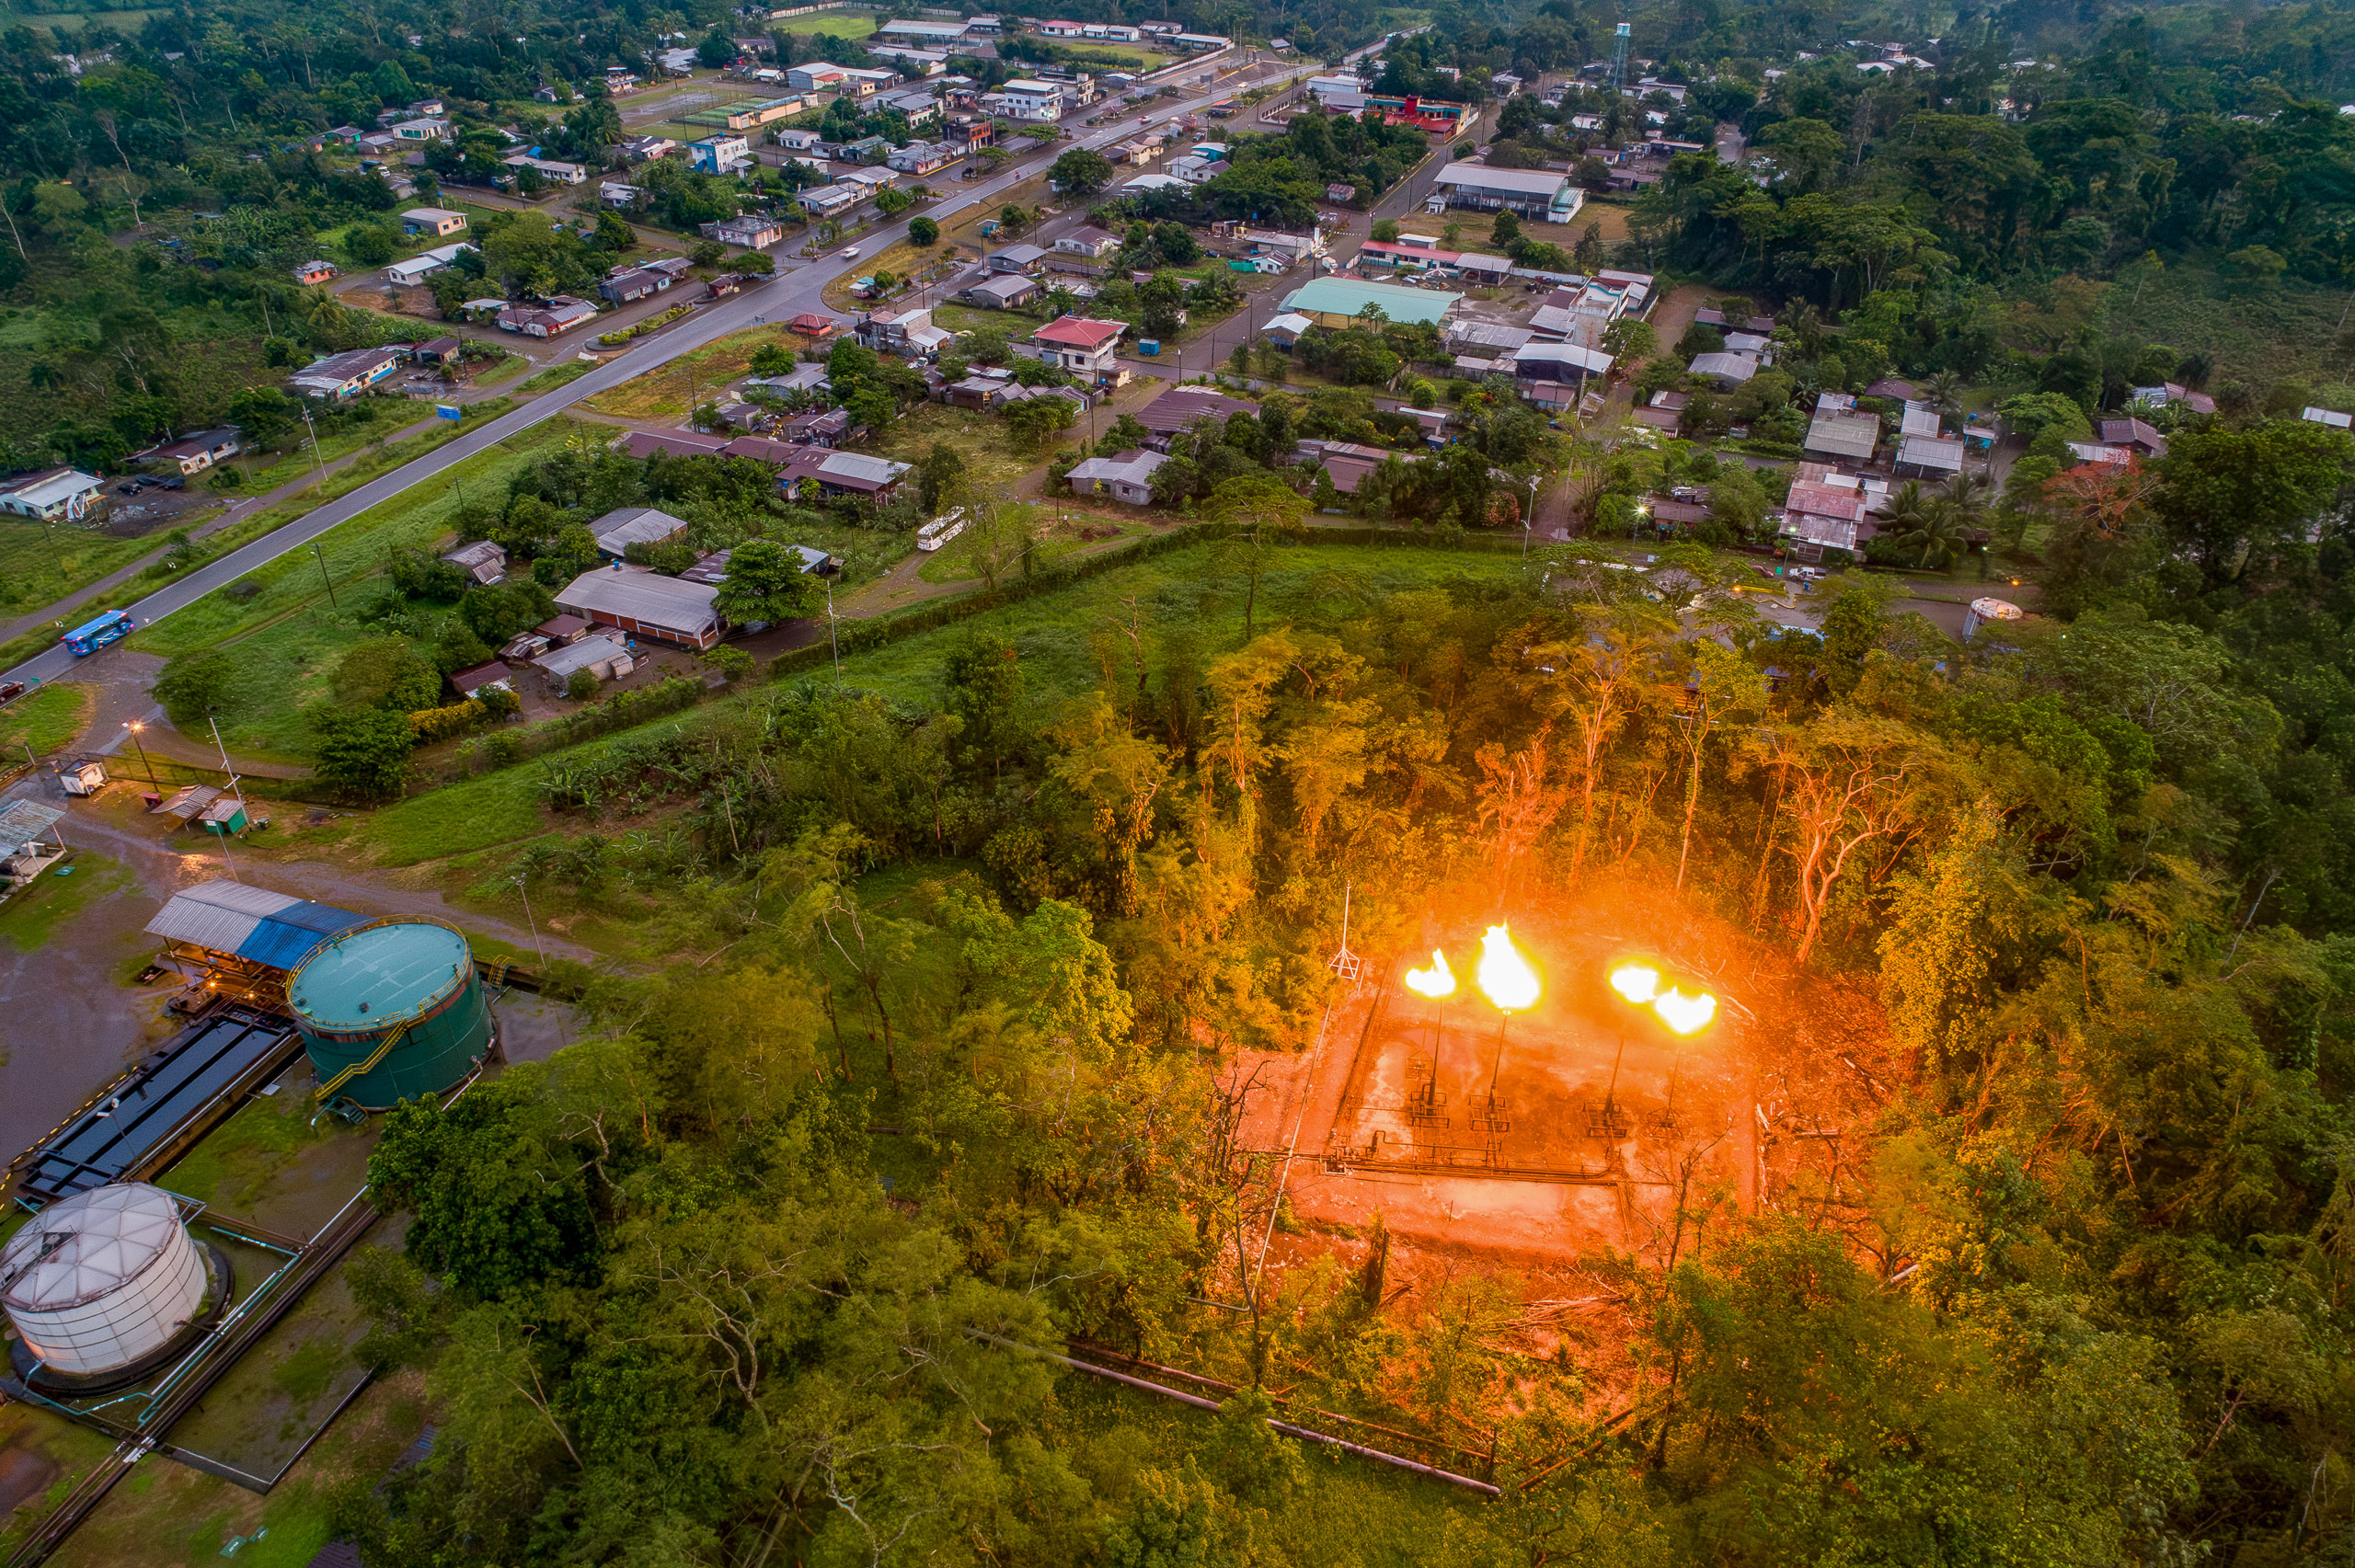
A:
408, 981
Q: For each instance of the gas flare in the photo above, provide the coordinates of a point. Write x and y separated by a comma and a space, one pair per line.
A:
1434, 984
1637, 982
1506, 977
1685, 1013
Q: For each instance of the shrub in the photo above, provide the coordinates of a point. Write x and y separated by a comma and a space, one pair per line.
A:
581, 686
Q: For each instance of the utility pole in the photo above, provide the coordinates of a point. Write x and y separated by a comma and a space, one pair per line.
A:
322, 559
316, 457
833, 636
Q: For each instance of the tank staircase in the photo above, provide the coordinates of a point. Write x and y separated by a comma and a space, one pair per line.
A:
368, 1063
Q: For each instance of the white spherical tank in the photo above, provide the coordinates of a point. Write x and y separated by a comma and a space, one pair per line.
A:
97, 1280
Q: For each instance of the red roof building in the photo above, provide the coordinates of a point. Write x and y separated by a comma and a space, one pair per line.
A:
1079, 345
810, 324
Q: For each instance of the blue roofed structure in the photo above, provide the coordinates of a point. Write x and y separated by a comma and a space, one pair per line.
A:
255, 925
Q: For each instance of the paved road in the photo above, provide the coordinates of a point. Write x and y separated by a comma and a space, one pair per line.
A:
790, 293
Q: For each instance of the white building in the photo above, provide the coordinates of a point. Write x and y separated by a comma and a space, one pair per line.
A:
425, 263
53, 494
1023, 98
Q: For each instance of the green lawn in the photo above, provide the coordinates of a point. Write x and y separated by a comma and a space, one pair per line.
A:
45, 720
556, 375
29, 919
287, 634
834, 26
1052, 636
42, 562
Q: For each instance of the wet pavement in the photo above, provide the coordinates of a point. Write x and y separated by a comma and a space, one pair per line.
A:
72, 1020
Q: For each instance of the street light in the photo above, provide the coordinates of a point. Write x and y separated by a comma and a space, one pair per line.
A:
1529, 518
135, 726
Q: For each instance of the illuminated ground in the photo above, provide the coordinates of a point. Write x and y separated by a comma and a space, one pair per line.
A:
1566, 1161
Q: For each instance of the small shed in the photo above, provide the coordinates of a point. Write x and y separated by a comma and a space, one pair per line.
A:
223, 814
84, 776
494, 676
482, 560
601, 655
183, 803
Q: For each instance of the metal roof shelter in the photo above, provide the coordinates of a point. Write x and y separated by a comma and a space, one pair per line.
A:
1841, 434
645, 603
250, 923
617, 531
26, 822
1939, 454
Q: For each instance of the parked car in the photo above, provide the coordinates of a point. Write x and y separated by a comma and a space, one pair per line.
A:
175, 483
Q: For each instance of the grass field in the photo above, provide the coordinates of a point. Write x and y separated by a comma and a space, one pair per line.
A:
832, 27
554, 376
664, 393
1052, 636
2255, 334
978, 439
42, 564
45, 720
286, 635
28, 920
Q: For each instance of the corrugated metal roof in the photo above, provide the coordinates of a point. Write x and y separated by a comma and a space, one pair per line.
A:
255, 923
644, 597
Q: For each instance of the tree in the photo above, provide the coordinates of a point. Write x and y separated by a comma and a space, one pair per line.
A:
1505, 231
922, 231
195, 685
1035, 422
2235, 497
363, 752
370, 245
1262, 511
263, 414
766, 581
1850, 784
386, 672
1080, 172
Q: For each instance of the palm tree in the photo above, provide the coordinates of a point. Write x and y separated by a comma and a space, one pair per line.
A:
1943, 393
1967, 494
1935, 533
1806, 322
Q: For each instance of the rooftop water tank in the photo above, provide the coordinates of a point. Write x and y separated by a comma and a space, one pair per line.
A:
103, 1280
391, 1011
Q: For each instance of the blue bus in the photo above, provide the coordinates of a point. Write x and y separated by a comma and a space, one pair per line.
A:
112, 626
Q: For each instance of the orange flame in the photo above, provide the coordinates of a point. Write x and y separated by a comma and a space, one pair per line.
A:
1506, 979
1434, 984
1685, 1013
1638, 982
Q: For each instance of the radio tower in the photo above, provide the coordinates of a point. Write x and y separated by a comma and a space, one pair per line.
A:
1619, 60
